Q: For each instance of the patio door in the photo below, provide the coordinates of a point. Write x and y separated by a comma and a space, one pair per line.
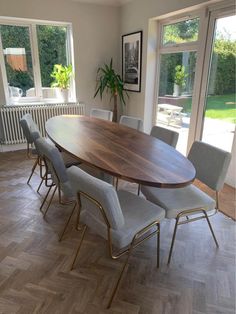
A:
178, 61
218, 90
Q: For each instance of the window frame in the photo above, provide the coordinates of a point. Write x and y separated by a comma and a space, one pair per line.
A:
32, 24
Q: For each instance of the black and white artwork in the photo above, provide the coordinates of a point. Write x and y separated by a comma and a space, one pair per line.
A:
131, 61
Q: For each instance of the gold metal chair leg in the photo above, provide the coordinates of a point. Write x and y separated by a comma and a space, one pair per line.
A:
210, 226
217, 200
28, 151
50, 201
120, 276
32, 171
158, 245
173, 240
67, 223
45, 198
78, 249
40, 185
139, 188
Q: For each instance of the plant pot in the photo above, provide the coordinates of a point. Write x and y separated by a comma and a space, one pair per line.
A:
177, 90
62, 94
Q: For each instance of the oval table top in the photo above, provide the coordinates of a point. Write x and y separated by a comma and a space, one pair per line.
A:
121, 151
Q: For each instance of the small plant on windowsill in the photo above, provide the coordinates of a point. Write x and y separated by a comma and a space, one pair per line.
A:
111, 81
62, 78
179, 79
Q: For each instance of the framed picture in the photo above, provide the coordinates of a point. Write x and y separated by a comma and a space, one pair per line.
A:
132, 61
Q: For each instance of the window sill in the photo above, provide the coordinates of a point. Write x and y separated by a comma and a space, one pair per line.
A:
34, 101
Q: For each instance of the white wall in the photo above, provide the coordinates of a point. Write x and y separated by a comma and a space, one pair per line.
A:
96, 30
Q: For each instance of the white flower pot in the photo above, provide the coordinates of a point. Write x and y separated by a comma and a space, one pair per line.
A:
63, 94
177, 90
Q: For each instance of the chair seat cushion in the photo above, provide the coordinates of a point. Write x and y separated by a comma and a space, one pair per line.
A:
138, 213
177, 200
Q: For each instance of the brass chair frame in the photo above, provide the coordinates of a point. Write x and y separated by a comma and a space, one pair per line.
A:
186, 214
134, 243
57, 186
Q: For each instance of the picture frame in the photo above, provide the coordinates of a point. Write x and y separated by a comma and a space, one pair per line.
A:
132, 61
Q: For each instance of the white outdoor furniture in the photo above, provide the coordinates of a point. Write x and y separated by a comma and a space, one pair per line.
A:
169, 114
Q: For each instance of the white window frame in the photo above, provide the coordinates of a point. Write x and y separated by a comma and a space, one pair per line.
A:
35, 59
202, 46
175, 48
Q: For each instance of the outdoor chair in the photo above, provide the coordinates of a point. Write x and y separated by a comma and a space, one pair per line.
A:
125, 220
211, 165
168, 136
101, 114
132, 122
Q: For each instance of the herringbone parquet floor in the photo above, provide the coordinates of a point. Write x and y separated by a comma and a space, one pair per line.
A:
34, 266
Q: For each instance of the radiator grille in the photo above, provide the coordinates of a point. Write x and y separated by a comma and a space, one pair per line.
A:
10, 117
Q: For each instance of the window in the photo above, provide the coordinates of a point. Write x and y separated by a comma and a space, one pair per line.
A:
181, 32
29, 52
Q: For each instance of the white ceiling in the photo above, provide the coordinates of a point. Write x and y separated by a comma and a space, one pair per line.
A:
107, 2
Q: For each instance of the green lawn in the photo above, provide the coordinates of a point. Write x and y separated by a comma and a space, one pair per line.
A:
221, 107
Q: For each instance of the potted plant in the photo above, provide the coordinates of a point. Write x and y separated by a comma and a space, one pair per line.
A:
179, 79
110, 81
62, 78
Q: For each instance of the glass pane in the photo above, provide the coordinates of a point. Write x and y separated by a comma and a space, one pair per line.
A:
181, 32
220, 110
52, 44
18, 60
177, 74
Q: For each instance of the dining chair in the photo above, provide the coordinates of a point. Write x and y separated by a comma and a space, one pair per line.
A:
101, 114
31, 133
170, 137
29, 127
211, 164
132, 122
56, 177
122, 218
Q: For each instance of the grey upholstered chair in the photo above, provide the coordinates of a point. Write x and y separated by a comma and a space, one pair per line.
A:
29, 127
101, 114
31, 132
57, 171
211, 165
132, 122
122, 218
168, 136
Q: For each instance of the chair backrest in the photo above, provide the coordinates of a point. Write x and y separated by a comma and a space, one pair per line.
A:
132, 122
102, 192
168, 136
54, 163
28, 127
211, 164
101, 114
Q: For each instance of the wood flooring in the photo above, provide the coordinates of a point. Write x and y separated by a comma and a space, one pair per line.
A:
34, 266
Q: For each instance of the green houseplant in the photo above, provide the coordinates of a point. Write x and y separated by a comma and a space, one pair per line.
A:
62, 78
179, 79
110, 81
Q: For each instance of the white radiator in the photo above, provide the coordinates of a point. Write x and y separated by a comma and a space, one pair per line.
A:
11, 115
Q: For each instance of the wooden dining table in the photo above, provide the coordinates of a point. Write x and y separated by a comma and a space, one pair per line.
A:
121, 151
